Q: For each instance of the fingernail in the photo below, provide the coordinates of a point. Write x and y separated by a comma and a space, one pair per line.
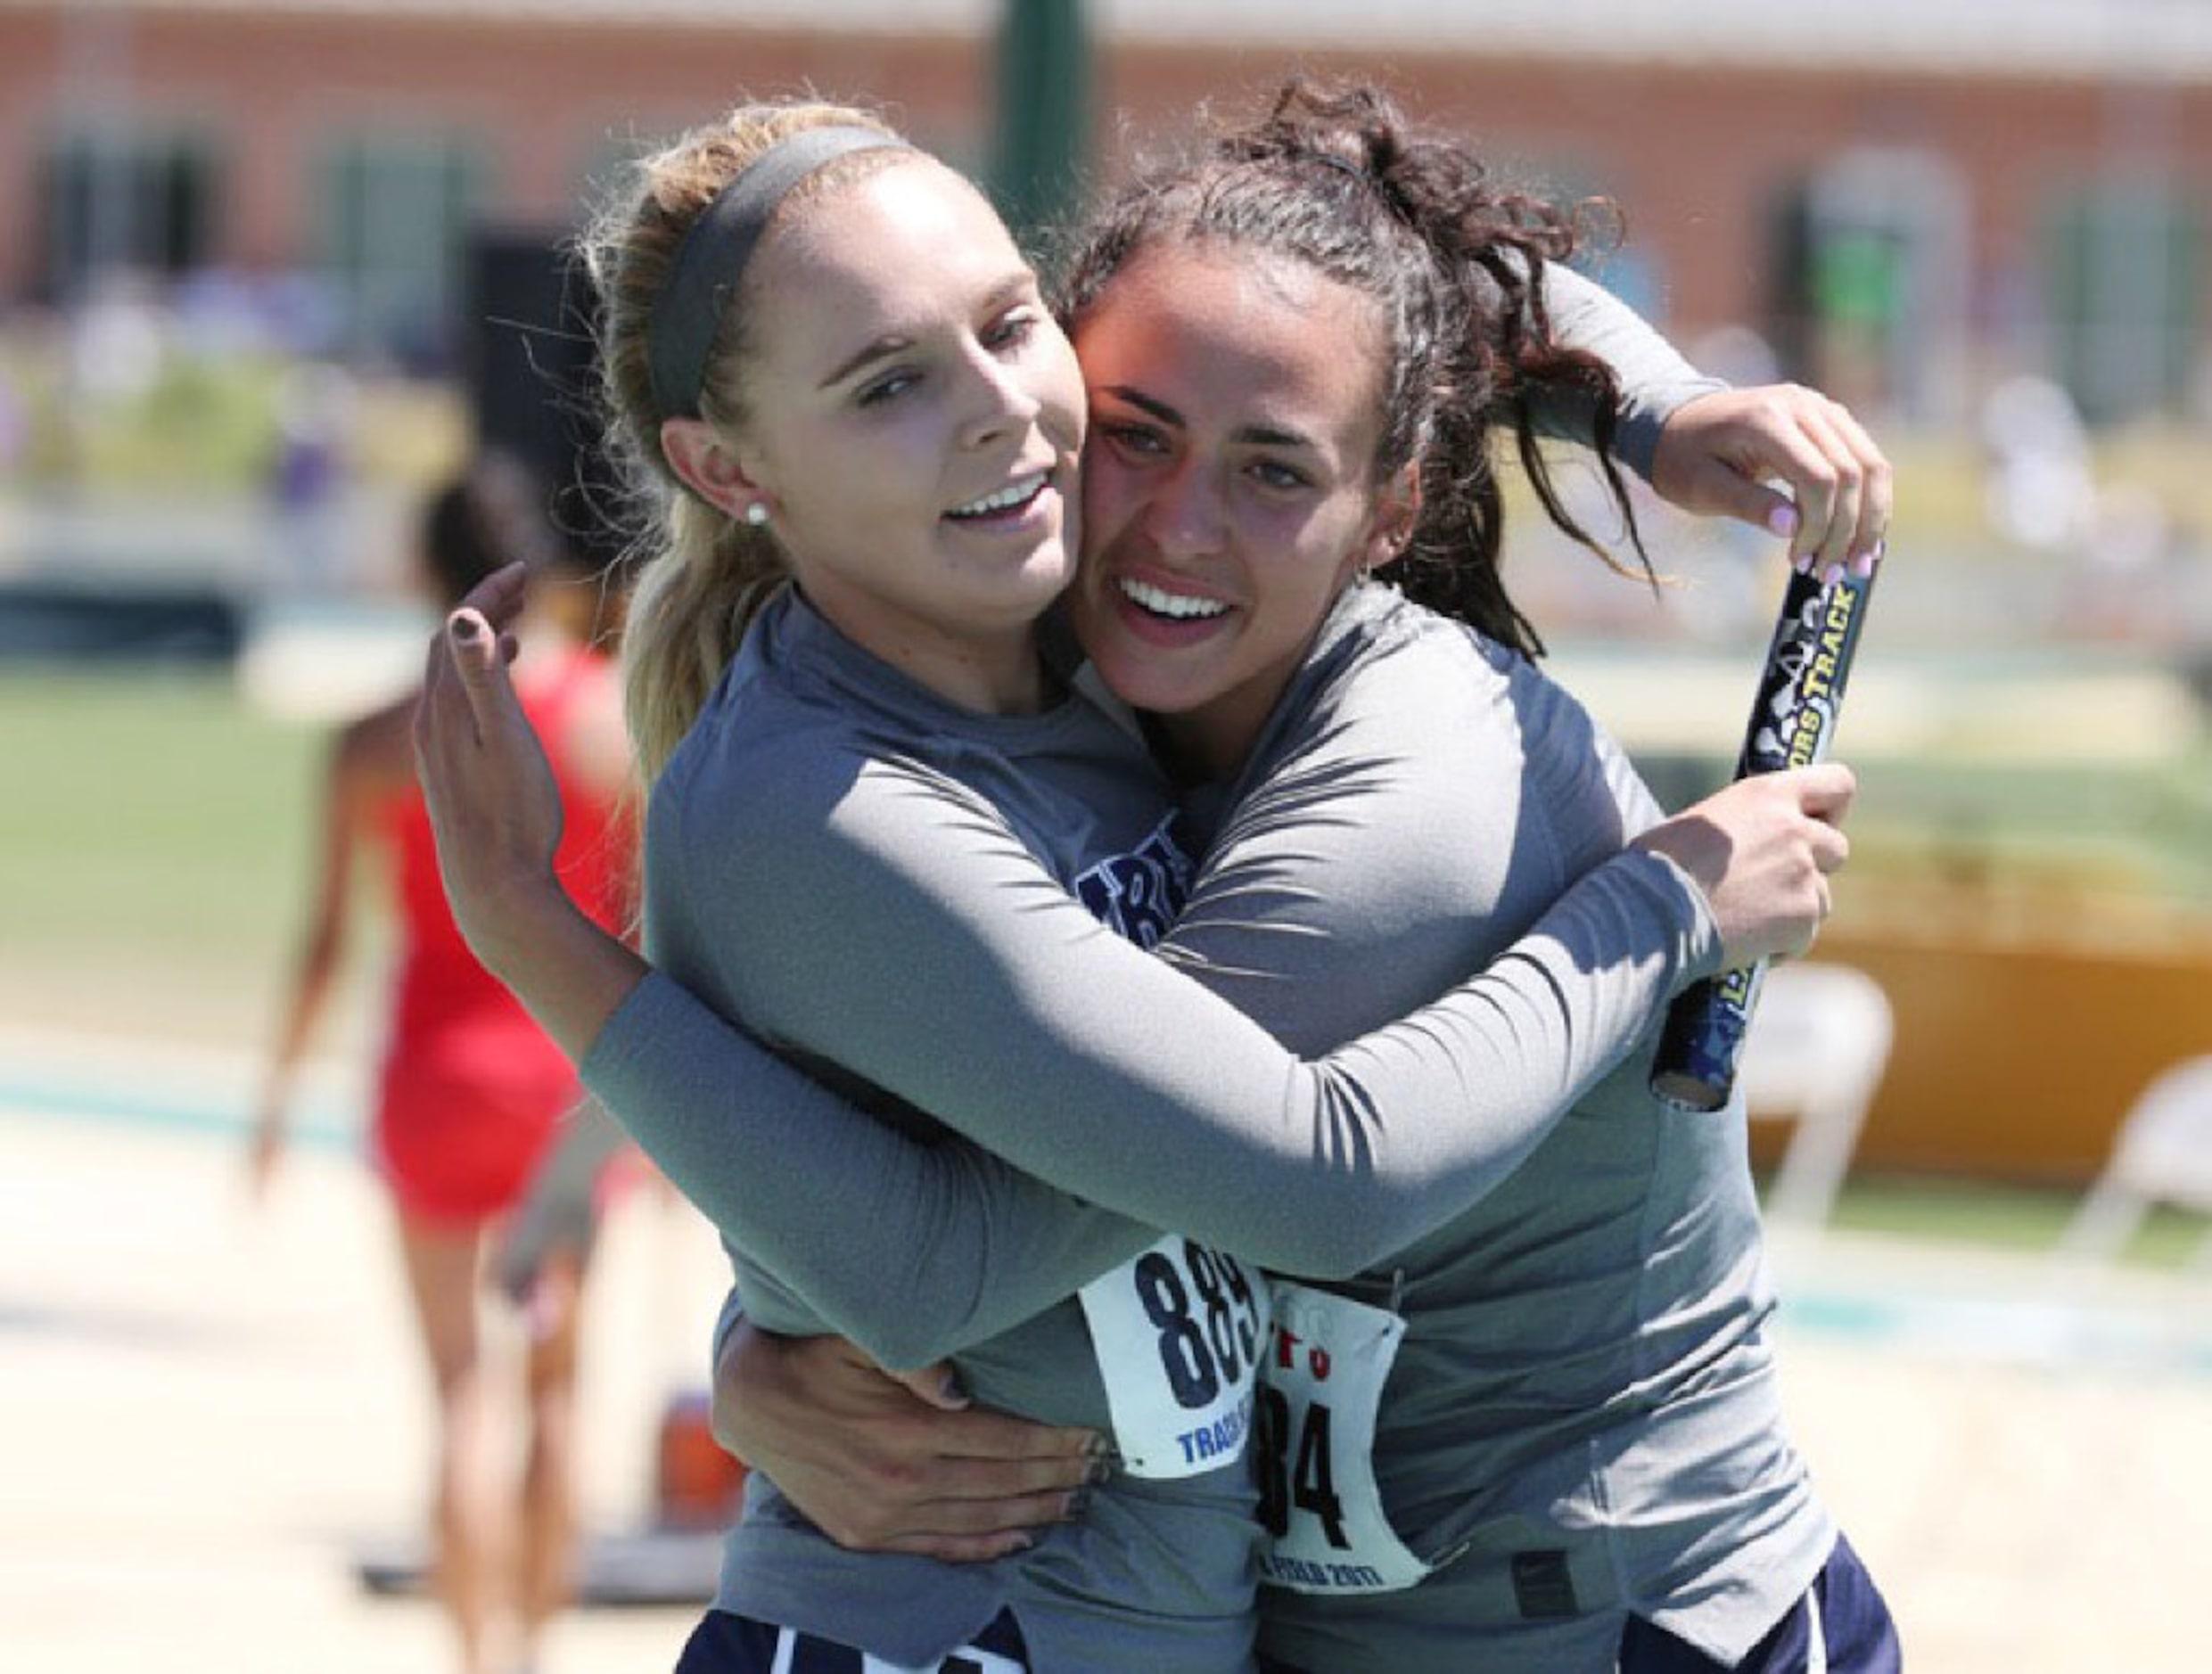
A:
464, 630
1020, 1543
1076, 1504
1863, 564
951, 1387
1782, 521
1100, 1469
1802, 563
1830, 575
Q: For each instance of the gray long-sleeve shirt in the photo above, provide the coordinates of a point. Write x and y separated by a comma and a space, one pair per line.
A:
842, 862
1655, 381
990, 1246
1583, 1416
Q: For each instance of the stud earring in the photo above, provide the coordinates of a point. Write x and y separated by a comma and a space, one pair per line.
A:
757, 514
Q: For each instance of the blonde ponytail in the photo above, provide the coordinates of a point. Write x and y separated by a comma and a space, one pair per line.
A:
687, 617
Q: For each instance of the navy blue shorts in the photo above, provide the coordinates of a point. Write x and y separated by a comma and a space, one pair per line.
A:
727, 1643
1841, 1625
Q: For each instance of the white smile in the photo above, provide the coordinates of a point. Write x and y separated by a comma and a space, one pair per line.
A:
1017, 493
1182, 606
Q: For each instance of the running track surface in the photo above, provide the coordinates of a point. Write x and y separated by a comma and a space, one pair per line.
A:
209, 1411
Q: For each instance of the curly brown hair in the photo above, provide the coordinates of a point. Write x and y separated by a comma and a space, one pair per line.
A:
1340, 180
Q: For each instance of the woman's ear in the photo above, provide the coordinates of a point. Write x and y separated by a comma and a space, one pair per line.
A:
1390, 529
709, 467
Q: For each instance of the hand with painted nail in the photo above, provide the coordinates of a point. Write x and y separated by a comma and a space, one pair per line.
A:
894, 1463
1785, 459
495, 808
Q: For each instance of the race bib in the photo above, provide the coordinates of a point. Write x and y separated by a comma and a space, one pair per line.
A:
1315, 1438
1179, 1333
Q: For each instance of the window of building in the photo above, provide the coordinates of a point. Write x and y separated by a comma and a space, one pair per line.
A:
2124, 258
394, 212
124, 197
1869, 287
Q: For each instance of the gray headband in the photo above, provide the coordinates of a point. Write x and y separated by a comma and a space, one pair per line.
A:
712, 257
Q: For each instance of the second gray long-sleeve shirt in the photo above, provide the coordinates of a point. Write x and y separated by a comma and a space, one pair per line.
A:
849, 867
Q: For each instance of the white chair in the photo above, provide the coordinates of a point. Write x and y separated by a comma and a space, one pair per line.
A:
2163, 1154
1818, 1043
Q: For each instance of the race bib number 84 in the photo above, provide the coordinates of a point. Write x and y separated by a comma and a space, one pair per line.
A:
1178, 1333
1318, 1409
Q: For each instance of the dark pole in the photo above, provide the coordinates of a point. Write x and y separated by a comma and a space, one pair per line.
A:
1043, 114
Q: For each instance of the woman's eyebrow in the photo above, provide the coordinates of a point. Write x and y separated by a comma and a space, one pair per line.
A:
882, 349
1143, 403
1006, 292
1263, 435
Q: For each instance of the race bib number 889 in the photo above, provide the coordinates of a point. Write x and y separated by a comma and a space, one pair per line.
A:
1178, 1333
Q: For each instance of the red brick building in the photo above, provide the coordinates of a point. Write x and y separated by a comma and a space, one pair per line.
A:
1902, 198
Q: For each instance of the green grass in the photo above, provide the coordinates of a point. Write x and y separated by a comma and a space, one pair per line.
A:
157, 807
2128, 827
2001, 1216
154, 854
2138, 825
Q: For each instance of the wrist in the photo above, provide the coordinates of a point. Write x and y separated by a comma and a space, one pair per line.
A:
513, 923
570, 974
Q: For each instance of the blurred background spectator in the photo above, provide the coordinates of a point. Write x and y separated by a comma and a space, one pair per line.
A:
471, 1094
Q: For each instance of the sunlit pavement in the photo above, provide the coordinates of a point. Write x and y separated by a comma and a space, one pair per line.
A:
209, 1413
2018, 1448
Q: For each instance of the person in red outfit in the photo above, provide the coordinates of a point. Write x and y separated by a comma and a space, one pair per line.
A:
471, 1094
